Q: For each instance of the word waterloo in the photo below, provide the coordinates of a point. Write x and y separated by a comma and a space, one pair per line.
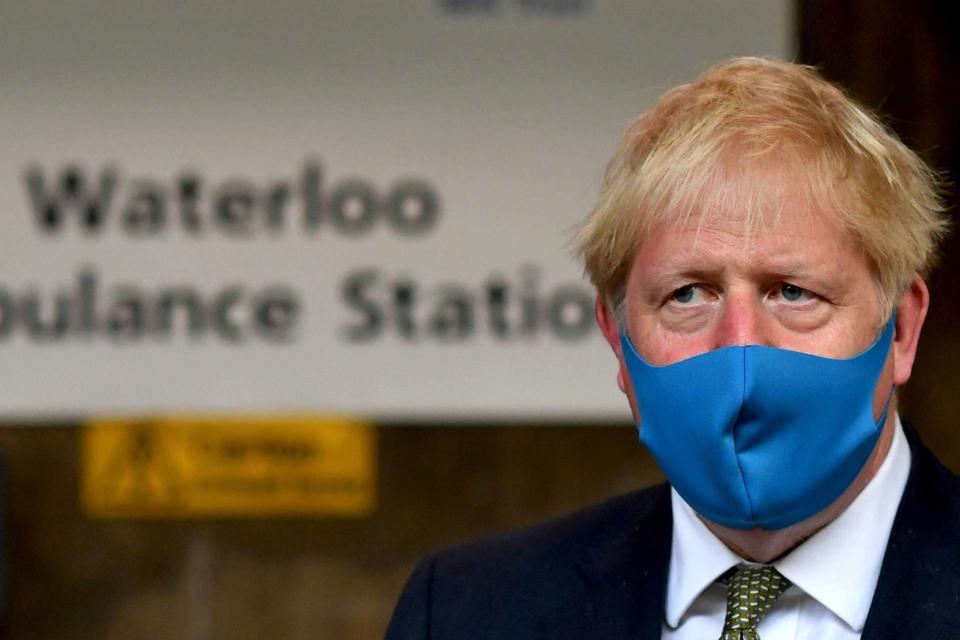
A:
375, 304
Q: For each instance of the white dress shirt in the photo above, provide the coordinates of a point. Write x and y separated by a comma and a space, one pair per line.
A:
834, 573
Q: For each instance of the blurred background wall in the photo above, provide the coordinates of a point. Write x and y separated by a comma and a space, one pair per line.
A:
69, 575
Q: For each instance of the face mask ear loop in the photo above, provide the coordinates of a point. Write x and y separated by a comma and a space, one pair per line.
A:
886, 408
891, 324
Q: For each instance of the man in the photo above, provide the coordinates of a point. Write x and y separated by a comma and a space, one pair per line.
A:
758, 250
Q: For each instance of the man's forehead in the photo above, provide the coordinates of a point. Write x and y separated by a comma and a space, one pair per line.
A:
789, 240
785, 223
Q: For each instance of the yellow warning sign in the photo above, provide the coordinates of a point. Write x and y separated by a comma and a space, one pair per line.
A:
208, 467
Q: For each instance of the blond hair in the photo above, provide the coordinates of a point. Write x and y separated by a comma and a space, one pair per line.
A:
752, 114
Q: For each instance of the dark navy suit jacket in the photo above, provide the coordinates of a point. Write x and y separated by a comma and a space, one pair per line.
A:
602, 573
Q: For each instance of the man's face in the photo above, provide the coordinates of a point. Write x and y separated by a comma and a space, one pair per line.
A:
797, 283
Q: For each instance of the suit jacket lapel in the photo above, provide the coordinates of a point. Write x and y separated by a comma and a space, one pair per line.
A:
625, 577
624, 574
918, 593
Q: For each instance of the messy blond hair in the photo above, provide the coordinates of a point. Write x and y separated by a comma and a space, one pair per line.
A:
750, 115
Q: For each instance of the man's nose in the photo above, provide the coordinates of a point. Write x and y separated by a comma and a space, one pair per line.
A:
743, 321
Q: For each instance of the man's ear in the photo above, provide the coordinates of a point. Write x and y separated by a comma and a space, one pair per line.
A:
911, 312
611, 331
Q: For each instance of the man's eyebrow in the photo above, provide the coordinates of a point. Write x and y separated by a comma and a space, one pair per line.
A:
696, 262
775, 266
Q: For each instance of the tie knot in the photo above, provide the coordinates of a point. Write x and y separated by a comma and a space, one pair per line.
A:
751, 591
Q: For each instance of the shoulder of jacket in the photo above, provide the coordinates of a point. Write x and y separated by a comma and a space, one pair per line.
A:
559, 536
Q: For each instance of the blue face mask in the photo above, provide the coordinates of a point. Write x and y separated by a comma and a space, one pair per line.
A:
754, 436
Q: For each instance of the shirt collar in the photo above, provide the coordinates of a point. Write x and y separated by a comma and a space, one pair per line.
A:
697, 559
851, 546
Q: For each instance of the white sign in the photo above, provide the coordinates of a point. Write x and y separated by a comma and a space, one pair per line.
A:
362, 207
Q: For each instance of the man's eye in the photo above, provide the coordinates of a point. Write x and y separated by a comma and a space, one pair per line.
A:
690, 293
793, 293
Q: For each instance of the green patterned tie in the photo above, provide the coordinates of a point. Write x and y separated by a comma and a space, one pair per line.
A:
751, 591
